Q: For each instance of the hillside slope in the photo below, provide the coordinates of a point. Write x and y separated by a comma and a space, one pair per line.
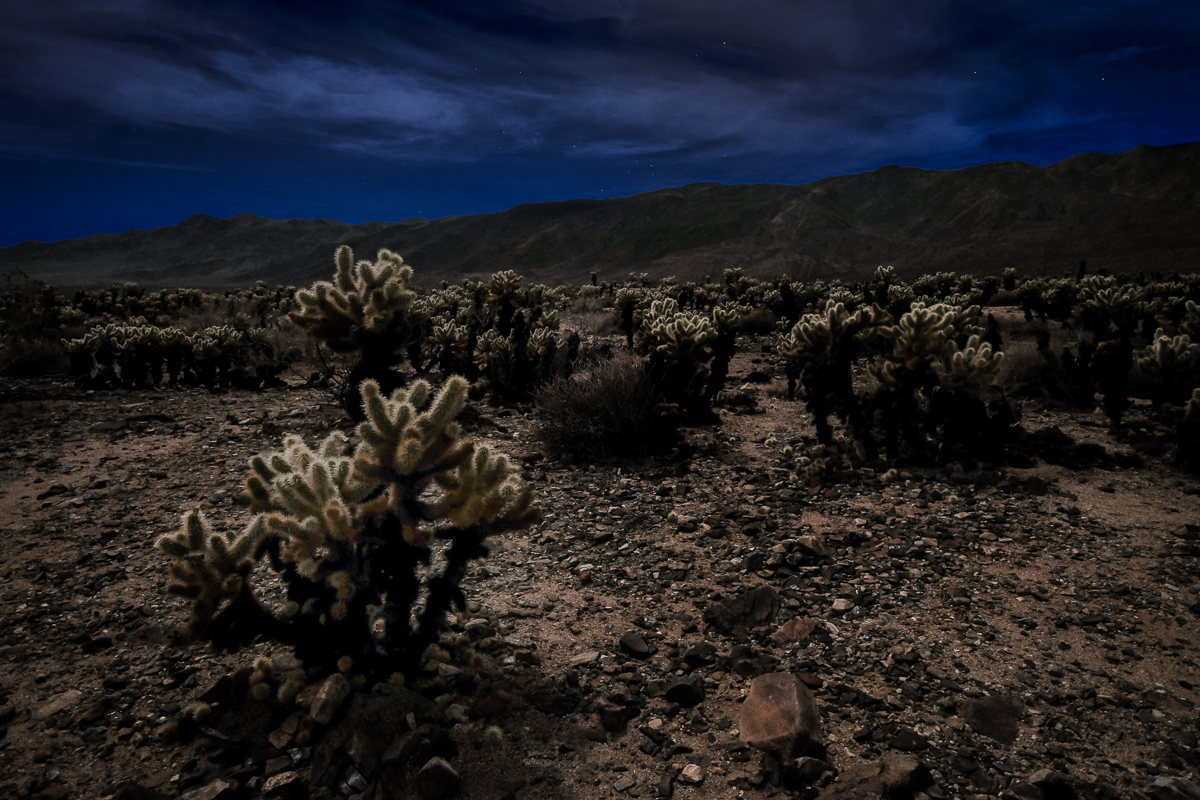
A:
1131, 211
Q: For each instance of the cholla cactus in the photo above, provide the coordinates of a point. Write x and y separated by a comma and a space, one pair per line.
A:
1107, 305
1190, 325
625, 302
679, 348
820, 352
1173, 363
364, 303
975, 367
367, 309
923, 334
355, 538
452, 348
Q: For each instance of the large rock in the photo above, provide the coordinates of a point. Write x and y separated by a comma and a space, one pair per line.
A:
995, 716
1173, 788
437, 779
749, 610
894, 776
779, 716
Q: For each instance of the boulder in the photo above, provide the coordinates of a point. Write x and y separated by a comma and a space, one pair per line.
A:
779, 716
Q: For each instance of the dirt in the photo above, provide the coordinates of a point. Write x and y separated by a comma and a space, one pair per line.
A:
1073, 592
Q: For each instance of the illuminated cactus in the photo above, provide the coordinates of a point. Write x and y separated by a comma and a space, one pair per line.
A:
503, 296
725, 319
452, 349
820, 352
213, 352
1173, 363
356, 538
1108, 307
678, 345
625, 302
365, 310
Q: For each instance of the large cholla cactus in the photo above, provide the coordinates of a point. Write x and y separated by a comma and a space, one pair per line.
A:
938, 399
820, 352
356, 537
1108, 307
367, 309
1173, 363
679, 345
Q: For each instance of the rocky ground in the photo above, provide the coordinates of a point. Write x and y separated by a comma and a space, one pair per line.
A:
1025, 633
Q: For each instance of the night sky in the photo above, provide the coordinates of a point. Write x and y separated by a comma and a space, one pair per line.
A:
139, 113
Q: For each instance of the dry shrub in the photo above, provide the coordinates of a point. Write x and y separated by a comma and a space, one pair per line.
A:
608, 408
761, 320
588, 315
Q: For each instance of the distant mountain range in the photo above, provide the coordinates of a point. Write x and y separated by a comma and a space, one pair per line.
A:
1137, 210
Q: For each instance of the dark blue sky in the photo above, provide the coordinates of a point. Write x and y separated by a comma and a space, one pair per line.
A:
139, 113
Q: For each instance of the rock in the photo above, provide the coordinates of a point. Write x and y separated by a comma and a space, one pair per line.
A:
58, 703
843, 604
700, 654
794, 631
813, 547
217, 790
779, 716
807, 770
894, 776
437, 779
686, 690
132, 790
55, 490
285, 786
555, 705
692, 773
634, 644
748, 610
1173, 788
995, 716
586, 657
624, 783
1052, 783
335, 689
908, 740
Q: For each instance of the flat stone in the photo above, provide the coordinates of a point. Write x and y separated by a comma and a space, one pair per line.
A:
779, 716
217, 790
1173, 787
285, 786
794, 631
58, 703
748, 610
333, 691
895, 776
586, 657
624, 784
996, 716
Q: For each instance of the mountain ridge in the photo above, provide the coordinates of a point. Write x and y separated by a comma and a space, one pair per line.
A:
1124, 212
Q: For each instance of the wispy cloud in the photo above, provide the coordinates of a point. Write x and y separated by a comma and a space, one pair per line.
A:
548, 91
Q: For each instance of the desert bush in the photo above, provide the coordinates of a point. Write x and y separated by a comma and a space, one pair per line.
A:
371, 546
32, 320
607, 408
